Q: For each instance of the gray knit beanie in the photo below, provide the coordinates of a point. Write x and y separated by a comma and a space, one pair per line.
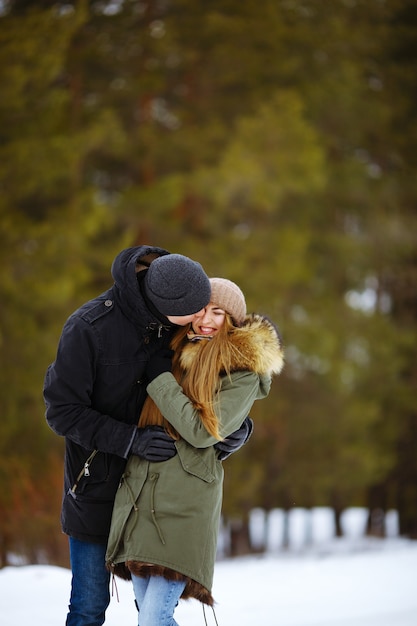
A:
228, 296
177, 285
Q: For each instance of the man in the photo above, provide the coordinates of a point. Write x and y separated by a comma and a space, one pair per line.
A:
94, 392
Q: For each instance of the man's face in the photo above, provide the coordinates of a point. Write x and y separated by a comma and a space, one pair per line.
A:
183, 320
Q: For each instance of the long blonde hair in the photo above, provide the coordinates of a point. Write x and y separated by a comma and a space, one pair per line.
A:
200, 381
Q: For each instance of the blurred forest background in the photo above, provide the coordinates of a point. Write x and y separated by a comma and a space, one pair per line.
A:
274, 142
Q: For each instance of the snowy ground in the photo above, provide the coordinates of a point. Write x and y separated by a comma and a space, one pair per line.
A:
344, 583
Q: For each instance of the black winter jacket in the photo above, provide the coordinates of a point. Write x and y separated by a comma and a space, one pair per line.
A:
95, 389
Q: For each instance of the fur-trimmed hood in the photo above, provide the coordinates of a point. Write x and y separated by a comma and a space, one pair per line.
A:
257, 343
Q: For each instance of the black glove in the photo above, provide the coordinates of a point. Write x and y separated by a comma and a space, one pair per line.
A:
236, 440
159, 363
153, 444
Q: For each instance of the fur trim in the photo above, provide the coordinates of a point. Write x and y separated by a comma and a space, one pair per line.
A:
192, 589
258, 347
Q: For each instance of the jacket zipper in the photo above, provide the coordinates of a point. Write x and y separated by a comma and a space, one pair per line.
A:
85, 471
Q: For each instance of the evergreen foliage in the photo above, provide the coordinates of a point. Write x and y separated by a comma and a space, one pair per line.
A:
274, 143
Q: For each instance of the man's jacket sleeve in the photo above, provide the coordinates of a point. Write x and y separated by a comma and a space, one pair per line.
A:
68, 394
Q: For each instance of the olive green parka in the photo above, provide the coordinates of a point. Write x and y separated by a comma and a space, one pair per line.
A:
166, 515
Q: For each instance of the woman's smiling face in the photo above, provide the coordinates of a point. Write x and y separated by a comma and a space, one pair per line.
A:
209, 321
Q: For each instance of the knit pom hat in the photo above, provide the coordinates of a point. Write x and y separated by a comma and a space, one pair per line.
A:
228, 296
177, 285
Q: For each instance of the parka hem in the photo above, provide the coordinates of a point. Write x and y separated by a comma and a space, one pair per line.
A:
193, 589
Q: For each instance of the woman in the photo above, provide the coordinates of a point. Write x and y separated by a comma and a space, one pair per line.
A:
166, 515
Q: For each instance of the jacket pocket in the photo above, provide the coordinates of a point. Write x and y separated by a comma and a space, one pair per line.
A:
86, 518
199, 462
98, 476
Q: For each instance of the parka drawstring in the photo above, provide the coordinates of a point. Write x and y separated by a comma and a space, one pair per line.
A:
132, 497
122, 530
155, 477
214, 615
128, 487
114, 588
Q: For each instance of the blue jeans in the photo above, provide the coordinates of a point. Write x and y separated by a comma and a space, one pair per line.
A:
157, 598
90, 594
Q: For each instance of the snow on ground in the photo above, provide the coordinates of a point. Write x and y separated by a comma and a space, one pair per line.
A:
341, 583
